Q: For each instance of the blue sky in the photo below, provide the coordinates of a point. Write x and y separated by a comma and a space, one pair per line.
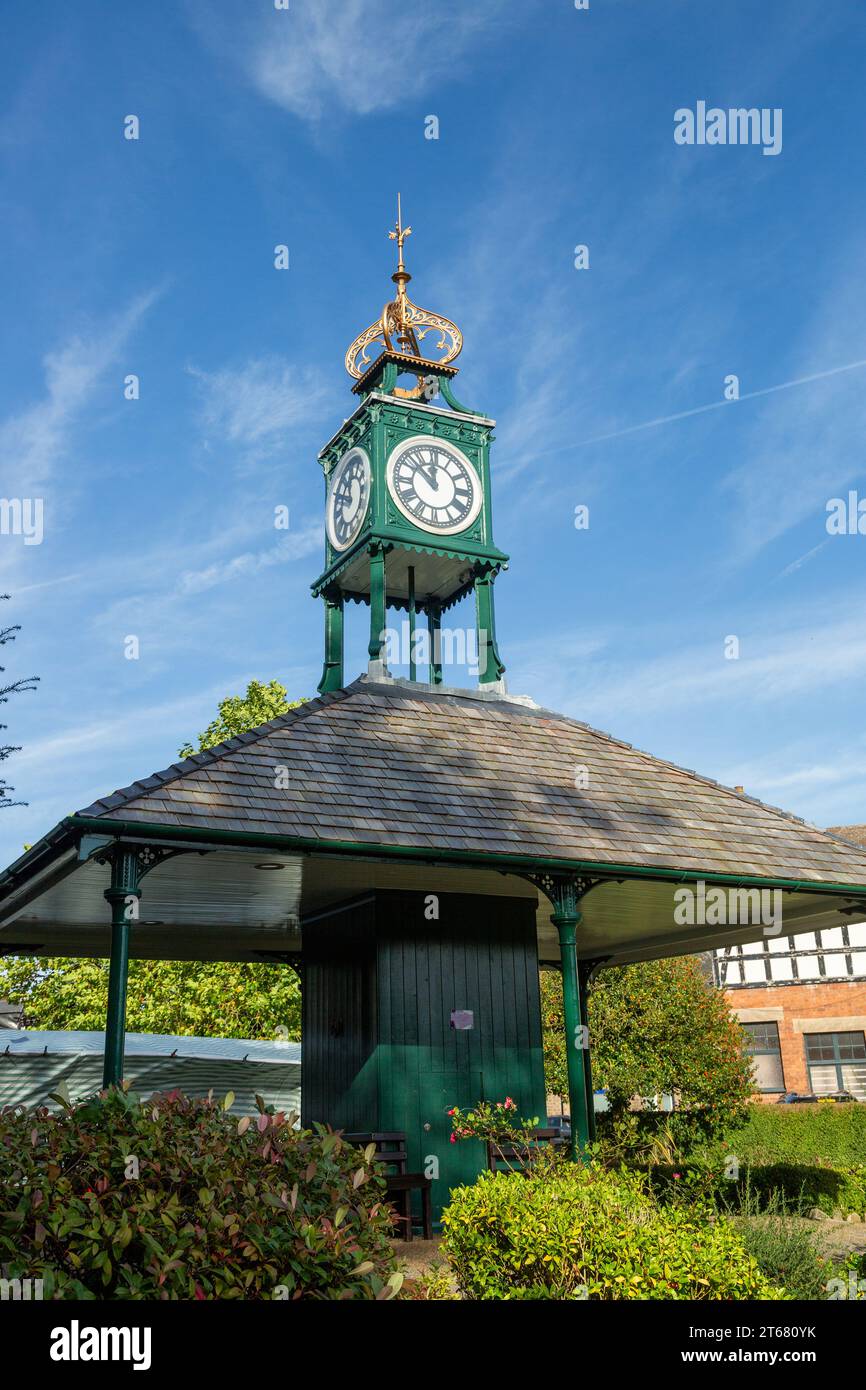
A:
261, 126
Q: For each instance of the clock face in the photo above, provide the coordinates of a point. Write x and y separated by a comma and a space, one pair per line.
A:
348, 498
434, 485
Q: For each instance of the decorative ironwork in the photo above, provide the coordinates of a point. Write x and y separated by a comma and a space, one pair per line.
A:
132, 862
403, 325
564, 890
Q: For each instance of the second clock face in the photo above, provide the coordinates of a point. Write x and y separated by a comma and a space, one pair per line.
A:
348, 498
434, 485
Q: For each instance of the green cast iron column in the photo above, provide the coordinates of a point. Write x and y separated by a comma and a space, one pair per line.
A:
566, 921
332, 674
584, 970
434, 627
378, 608
123, 896
412, 671
490, 668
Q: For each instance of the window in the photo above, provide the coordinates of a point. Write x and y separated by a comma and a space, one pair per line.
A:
762, 1045
836, 1062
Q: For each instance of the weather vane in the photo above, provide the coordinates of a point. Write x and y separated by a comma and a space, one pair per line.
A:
399, 235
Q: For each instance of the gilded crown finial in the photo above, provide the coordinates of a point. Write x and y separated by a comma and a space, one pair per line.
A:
403, 324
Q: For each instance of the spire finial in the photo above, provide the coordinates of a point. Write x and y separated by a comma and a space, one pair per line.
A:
399, 235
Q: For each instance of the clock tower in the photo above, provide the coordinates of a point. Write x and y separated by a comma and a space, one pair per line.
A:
408, 511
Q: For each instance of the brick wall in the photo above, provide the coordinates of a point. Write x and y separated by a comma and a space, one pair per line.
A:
833, 1007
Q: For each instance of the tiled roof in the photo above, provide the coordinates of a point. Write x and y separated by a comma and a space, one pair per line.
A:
393, 765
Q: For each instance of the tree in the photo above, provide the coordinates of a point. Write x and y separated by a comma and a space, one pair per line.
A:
207, 999
239, 713
192, 998
7, 634
656, 1028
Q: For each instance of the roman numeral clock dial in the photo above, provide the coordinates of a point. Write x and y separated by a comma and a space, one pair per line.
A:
434, 485
348, 498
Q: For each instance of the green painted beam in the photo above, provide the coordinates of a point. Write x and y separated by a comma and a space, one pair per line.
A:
508, 863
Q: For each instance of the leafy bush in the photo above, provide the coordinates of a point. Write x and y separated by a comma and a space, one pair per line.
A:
830, 1134
585, 1232
791, 1187
785, 1248
173, 1198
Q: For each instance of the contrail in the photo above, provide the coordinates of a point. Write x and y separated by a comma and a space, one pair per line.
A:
702, 409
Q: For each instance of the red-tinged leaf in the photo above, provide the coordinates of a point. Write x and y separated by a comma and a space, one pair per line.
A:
262, 1123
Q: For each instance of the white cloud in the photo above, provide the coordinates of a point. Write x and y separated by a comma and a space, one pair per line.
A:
287, 549
352, 56
33, 442
775, 664
806, 446
253, 406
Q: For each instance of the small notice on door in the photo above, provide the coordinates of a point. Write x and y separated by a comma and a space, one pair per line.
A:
462, 1019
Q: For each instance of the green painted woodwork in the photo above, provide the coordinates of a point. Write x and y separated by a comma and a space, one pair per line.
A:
412, 672
490, 667
584, 971
579, 1103
378, 602
381, 981
332, 674
124, 891
459, 564
530, 865
434, 627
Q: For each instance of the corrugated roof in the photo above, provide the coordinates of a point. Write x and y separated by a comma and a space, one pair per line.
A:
34, 1042
383, 764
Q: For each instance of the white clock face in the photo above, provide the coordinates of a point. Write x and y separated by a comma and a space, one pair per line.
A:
348, 498
434, 485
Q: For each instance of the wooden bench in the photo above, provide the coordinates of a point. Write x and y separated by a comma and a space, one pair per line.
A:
391, 1153
506, 1158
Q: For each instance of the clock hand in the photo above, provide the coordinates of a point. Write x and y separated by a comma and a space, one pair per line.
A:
434, 482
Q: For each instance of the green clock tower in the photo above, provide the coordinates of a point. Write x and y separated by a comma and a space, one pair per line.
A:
408, 518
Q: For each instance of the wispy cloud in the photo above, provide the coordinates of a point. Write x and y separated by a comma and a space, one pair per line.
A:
805, 446
33, 442
288, 548
353, 56
769, 670
253, 406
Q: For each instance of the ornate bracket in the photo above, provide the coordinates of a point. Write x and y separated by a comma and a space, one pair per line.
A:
564, 890
130, 863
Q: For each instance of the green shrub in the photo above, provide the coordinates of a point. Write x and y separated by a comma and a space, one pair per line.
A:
586, 1232
173, 1198
792, 1187
834, 1135
785, 1248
